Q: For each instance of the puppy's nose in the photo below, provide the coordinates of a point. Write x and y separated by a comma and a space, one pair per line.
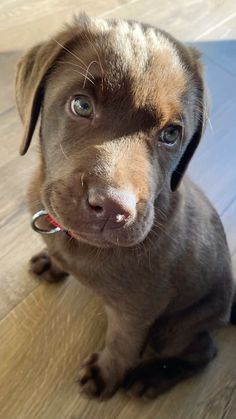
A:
113, 207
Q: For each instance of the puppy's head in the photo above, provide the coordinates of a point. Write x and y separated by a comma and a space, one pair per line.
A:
122, 109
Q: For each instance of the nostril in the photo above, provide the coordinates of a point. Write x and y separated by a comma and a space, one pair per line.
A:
96, 208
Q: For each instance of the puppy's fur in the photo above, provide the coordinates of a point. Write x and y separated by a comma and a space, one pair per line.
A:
165, 276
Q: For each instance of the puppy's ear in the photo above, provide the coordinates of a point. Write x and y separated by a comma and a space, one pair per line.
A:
199, 116
30, 82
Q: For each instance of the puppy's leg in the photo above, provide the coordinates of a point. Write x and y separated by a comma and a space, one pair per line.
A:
156, 376
182, 345
102, 373
44, 267
170, 335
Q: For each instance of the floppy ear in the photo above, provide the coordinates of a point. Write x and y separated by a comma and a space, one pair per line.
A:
30, 82
200, 115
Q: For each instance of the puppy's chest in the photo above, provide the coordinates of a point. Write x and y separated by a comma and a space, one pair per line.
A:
108, 271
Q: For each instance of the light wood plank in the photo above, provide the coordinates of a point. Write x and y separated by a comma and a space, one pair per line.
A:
187, 20
34, 21
41, 19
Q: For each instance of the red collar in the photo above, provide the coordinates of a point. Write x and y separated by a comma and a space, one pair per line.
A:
53, 222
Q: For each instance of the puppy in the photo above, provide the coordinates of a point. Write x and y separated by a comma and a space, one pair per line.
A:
123, 109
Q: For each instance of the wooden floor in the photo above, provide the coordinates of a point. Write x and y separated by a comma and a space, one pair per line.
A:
47, 330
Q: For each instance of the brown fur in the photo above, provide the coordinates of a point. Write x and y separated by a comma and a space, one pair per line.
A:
166, 277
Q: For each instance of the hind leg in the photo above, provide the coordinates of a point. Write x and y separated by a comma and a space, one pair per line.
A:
156, 376
182, 344
170, 335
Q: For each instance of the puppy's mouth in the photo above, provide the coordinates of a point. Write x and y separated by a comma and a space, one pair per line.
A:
124, 234
107, 239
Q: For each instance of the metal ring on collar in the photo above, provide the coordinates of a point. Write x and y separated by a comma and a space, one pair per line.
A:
36, 217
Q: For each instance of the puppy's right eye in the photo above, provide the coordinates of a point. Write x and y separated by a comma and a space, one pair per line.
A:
81, 106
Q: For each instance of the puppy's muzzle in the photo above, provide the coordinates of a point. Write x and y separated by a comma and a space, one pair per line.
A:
97, 212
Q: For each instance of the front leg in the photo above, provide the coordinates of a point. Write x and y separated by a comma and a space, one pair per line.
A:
102, 373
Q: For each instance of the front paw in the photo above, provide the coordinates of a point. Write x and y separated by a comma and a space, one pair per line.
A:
96, 377
43, 267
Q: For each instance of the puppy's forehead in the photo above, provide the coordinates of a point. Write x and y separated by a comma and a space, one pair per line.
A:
133, 42
142, 56
137, 46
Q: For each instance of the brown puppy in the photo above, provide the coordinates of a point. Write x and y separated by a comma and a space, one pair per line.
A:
122, 111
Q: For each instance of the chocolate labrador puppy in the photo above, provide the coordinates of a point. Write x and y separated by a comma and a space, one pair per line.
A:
123, 108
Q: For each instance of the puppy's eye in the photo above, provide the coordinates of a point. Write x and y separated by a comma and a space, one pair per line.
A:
81, 106
170, 135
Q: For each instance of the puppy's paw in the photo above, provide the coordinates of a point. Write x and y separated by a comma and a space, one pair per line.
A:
44, 268
153, 378
95, 379
139, 384
142, 388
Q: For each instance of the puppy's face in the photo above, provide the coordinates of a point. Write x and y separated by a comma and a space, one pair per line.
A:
121, 106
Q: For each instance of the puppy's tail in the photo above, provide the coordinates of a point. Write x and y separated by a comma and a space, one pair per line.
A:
233, 310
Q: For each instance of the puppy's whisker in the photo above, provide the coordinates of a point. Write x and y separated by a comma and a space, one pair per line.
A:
161, 212
84, 75
100, 64
161, 227
63, 152
82, 180
99, 61
87, 71
68, 242
210, 125
71, 53
75, 65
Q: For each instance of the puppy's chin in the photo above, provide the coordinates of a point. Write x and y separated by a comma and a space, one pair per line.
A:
109, 241
96, 241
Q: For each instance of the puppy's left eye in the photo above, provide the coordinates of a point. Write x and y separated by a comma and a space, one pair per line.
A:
170, 135
81, 106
